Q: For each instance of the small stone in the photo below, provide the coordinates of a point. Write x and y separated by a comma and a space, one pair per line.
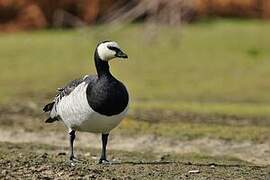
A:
72, 164
94, 157
194, 171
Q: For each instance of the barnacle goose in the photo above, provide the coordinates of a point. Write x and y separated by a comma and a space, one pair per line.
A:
94, 103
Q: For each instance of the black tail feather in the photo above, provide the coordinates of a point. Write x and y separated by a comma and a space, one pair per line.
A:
51, 120
48, 107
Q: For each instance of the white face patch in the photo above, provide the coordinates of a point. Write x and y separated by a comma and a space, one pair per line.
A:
104, 52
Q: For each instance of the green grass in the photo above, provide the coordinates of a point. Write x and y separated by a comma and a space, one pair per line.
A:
222, 66
226, 108
189, 131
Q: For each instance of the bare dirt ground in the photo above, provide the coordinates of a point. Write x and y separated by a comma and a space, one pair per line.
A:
35, 161
31, 149
255, 153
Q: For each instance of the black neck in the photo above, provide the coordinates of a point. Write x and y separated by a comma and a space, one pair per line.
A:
101, 66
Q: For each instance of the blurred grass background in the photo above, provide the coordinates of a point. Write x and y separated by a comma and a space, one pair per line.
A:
210, 66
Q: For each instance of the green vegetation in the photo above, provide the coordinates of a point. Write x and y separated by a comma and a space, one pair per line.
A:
188, 131
223, 66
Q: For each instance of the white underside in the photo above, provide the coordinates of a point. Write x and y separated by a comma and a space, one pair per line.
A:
76, 113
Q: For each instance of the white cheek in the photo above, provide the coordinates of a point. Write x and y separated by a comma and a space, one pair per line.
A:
106, 54
109, 55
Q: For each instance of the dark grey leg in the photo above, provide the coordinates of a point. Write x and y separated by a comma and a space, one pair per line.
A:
103, 158
71, 140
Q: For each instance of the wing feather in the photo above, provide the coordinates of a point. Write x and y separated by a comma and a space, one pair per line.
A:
62, 92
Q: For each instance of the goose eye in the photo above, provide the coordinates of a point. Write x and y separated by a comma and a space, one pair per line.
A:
113, 48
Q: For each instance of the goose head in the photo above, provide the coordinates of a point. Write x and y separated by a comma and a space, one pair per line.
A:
108, 50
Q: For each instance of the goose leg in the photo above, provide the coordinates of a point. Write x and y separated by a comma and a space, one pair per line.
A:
103, 157
71, 140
